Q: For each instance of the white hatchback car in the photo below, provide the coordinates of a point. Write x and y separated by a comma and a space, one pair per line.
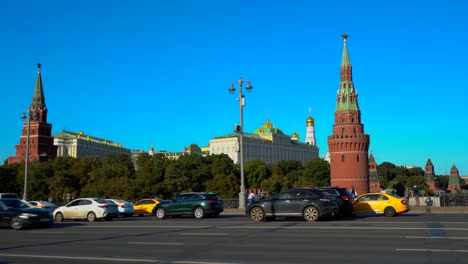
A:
87, 208
125, 208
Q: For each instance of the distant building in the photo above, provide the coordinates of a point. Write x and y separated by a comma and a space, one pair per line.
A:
267, 143
454, 183
77, 145
348, 145
374, 182
41, 143
429, 175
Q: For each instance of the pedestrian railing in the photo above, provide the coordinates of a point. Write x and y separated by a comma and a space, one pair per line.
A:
454, 199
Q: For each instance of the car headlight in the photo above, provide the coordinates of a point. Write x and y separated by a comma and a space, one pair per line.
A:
27, 215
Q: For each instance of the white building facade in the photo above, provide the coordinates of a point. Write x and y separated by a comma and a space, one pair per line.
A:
267, 143
77, 145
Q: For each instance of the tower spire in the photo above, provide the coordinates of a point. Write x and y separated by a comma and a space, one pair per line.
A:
38, 109
347, 97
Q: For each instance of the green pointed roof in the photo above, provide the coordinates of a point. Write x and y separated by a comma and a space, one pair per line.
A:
429, 162
371, 158
453, 167
38, 102
345, 57
347, 95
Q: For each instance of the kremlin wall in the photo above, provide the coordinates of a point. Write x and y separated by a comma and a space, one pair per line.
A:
350, 162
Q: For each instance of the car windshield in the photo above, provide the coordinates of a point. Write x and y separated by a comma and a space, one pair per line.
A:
394, 195
101, 200
14, 203
330, 192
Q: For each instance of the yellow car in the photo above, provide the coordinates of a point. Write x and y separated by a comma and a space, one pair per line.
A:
145, 206
380, 203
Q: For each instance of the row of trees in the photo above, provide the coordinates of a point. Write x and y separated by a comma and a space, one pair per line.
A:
117, 177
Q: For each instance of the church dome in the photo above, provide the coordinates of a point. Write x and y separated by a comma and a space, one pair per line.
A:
268, 124
295, 136
310, 121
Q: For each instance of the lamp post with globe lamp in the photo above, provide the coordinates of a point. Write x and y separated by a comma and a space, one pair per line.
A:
241, 99
26, 161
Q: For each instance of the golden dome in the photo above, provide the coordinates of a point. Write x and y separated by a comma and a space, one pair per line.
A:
295, 135
310, 121
268, 124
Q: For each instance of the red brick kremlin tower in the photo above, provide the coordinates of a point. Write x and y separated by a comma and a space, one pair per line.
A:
374, 182
348, 145
41, 143
429, 175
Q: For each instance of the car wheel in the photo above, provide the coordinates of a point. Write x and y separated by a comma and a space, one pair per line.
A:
91, 217
16, 223
199, 213
59, 217
389, 211
311, 213
161, 213
257, 214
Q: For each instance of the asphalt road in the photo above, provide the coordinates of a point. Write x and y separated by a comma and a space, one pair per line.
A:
229, 239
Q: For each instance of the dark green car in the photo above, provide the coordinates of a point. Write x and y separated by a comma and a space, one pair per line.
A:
196, 204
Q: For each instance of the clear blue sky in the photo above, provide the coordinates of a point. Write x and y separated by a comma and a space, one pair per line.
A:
157, 72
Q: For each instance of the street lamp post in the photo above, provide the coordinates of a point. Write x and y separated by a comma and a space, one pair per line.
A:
26, 162
241, 99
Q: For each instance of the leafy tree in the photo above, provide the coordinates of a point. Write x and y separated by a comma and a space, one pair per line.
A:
275, 184
150, 176
255, 172
226, 186
287, 166
8, 176
317, 172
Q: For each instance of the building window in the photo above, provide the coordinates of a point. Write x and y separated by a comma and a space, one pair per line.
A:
342, 158
357, 158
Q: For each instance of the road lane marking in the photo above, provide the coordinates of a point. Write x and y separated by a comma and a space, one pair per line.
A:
434, 237
204, 234
291, 227
156, 243
48, 232
200, 262
432, 250
80, 258
111, 259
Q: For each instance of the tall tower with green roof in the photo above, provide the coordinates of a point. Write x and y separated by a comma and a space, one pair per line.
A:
374, 182
41, 142
429, 175
454, 179
348, 145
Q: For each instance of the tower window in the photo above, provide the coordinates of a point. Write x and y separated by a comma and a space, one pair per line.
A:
342, 131
357, 158
342, 158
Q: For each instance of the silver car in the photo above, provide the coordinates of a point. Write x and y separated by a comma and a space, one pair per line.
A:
90, 209
125, 207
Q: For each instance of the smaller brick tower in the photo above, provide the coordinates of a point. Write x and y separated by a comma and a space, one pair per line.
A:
374, 182
429, 175
454, 179
348, 145
41, 142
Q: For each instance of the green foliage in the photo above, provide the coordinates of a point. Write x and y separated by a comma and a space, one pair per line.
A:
317, 173
226, 186
275, 184
255, 172
8, 178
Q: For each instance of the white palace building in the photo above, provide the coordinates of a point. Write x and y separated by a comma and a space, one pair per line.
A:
269, 144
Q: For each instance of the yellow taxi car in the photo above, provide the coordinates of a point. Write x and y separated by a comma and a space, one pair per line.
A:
145, 206
380, 203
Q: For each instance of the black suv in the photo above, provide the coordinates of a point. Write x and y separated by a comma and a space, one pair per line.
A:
342, 197
309, 203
